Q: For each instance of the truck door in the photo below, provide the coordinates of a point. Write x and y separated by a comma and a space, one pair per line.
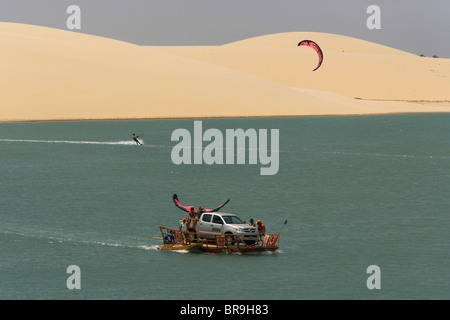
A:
204, 225
216, 224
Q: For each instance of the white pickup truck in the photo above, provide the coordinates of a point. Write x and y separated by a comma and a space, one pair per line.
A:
224, 223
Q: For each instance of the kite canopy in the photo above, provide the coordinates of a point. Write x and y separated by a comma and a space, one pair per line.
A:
316, 47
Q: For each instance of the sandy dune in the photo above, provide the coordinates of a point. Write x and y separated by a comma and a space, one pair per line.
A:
50, 74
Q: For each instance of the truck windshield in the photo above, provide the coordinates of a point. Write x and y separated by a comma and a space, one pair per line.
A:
232, 220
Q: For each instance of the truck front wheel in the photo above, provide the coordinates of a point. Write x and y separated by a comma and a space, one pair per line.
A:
230, 238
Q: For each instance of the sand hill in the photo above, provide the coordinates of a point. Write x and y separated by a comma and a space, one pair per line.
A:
51, 74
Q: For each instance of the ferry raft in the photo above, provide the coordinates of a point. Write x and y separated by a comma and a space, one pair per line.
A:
217, 243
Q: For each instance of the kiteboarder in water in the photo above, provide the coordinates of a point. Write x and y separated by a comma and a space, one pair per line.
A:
135, 138
200, 209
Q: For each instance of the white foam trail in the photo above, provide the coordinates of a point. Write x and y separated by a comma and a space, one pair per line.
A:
368, 154
126, 142
123, 143
88, 242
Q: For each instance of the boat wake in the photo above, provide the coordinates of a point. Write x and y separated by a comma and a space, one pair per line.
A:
124, 143
50, 239
370, 154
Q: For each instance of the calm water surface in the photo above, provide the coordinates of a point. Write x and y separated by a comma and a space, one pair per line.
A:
356, 191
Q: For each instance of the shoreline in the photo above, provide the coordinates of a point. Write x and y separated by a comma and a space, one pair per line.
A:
225, 117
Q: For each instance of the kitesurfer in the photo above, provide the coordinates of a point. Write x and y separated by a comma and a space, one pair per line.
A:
135, 138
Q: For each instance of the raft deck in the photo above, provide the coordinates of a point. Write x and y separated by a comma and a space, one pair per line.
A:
222, 243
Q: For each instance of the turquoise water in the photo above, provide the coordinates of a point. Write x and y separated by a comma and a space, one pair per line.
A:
356, 191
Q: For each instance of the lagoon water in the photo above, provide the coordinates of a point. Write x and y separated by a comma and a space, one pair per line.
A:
356, 191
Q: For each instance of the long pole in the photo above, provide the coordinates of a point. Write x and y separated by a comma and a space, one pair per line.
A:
285, 222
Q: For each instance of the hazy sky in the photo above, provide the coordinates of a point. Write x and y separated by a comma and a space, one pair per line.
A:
417, 26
